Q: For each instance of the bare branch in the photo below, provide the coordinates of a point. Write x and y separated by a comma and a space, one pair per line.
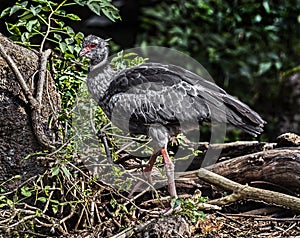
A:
42, 75
247, 192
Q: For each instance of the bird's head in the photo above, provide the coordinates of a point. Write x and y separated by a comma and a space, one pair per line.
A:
94, 48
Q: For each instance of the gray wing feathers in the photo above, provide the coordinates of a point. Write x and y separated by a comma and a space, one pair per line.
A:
170, 94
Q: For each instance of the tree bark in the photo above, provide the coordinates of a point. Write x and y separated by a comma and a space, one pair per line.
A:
17, 138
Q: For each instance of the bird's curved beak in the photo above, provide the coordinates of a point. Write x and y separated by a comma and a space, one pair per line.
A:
83, 51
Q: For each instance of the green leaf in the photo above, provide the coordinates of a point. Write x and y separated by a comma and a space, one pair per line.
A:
25, 191
95, 7
71, 48
264, 67
266, 6
79, 37
35, 10
110, 14
63, 47
10, 202
69, 30
46, 189
175, 202
25, 16
113, 202
42, 199
55, 171
31, 24
69, 41
61, 13
24, 4
5, 12
123, 207
66, 171
59, 23
58, 37
13, 29
73, 17
77, 49
54, 208
25, 37
14, 9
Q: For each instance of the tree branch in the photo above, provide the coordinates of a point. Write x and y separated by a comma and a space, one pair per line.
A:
247, 192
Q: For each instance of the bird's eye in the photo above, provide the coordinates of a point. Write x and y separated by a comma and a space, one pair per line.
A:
92, 45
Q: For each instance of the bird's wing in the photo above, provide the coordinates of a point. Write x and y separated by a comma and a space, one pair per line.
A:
156, 93
158, 75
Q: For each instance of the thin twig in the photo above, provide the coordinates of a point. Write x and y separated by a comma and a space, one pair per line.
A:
49, 25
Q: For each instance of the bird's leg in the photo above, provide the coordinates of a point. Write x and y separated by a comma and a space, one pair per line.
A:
147, 172
160, 136
169, 168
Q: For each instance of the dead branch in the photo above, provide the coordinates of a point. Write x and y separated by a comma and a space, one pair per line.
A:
247, 192
42, 75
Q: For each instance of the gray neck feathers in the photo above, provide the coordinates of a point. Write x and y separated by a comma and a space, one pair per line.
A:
99, 78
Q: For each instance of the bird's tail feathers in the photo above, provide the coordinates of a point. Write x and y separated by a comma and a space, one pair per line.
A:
243, 117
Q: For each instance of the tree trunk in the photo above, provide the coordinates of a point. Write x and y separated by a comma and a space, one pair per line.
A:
17, 137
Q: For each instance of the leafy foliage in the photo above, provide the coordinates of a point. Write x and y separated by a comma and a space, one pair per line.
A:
41, 22
128, 60
33, 16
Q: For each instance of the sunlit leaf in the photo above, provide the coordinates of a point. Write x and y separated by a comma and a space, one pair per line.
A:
10, 202
65, 171
73, 17
55, 171
14, 9
13, 29
264, 67
266, 6
5, 12
42, 199
31, 24
54, 208
25, 191
35, 10
57, 36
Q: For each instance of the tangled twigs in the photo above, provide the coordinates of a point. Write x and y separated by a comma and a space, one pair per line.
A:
35, 103
29, 213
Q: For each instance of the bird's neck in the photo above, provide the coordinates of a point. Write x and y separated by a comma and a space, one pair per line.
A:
99, 78
99, 62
